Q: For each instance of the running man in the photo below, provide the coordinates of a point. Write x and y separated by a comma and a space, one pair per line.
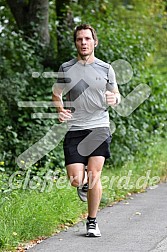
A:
89, 86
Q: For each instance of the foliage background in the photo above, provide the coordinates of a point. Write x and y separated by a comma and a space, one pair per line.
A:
129, 30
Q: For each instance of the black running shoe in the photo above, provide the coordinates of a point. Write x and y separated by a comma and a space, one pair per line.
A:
92, 229
82, 192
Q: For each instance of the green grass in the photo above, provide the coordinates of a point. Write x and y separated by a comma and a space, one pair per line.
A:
145, 170
29, 214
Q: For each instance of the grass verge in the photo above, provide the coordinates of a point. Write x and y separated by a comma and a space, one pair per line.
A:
29, 214
145, 170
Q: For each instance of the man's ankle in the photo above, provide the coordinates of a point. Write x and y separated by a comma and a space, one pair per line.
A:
91, 219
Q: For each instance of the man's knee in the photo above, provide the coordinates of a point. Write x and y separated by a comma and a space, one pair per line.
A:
76, 181
93, 177
75, 174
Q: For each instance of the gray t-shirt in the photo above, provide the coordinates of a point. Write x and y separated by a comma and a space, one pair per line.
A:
84, 87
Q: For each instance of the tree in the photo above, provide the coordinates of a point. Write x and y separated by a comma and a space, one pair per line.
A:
65, 25
32, 17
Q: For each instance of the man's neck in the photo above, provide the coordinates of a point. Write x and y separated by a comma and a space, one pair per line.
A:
86, 59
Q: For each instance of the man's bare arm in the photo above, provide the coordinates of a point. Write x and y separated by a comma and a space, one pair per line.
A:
64, 114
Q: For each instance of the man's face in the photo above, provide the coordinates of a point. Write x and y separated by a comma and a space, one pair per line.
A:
84, 42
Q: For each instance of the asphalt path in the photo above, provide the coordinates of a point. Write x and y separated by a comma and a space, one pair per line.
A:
138, 224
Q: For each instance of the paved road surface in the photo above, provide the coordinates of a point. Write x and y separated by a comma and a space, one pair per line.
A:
136, 225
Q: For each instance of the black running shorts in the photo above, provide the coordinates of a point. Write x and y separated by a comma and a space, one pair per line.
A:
79, 145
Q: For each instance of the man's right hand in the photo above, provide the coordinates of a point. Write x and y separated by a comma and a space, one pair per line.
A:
64, 115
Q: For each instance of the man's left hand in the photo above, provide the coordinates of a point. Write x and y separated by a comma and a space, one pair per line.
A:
111, 98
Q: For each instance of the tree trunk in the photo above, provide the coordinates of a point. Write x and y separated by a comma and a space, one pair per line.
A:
32, 17
60, 8
65, 24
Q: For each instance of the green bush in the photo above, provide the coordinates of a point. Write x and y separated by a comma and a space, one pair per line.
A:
119, 38
19, 130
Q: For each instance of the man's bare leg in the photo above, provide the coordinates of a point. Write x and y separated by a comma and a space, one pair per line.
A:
95, 166
76, 174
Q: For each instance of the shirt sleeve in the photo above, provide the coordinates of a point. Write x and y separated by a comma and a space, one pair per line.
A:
111, 83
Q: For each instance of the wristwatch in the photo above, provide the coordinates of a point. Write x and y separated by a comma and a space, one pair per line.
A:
116, 101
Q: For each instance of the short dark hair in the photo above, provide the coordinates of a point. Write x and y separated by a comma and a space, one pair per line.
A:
85, 27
